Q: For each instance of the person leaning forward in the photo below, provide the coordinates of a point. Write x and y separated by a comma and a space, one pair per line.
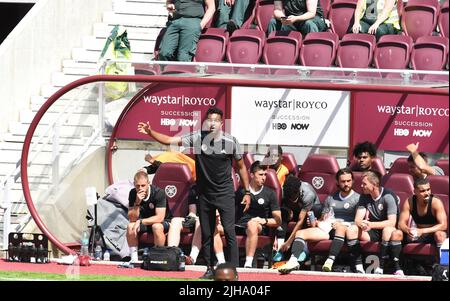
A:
214, 152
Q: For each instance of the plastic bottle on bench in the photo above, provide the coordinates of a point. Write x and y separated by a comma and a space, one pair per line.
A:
84, 243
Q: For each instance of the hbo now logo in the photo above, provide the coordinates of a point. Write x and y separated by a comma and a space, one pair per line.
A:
416, 133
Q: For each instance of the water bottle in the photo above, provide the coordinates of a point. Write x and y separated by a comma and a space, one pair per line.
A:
182, 265
107, 255
98, 253
331, 215
84, 243
413, 228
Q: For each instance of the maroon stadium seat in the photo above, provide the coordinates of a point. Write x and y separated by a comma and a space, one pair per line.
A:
282, 48
245, 46
439, 187
291, 163
248, 159
400, 165
401, 184
250, 15
419, 18
429, 53
319, 49
325, 5
355, 50
273, 183
176, 180
341, 16
393, 52
443, 163
443, 19
235, 178
212, 45
264, 12
320, 171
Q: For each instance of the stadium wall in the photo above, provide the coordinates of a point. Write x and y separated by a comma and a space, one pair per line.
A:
38, 44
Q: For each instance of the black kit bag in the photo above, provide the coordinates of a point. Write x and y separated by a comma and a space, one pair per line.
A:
163, 259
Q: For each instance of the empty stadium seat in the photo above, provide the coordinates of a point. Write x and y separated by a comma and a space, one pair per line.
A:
419, 18
400, 165
319, 49
264, 12
320, 171
341, 16
429, 53
439, 187
443, 19
355, 50
393, 52
176, 180
401, 184
212, 45
291, 163
248, 159
443, 163
245, 46
282, 48
325, 5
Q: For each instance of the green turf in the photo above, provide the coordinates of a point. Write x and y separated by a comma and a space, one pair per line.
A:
17, 275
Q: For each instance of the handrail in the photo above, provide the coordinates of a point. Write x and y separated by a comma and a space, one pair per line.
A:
185, 80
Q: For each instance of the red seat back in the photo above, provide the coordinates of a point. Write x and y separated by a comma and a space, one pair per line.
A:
429, 53
419, 18
400, 183
212, 45
393, 52
400, 165
355, 50
319, 49
273, 183
176, 180
439, 187
443, 19
282, 48
245, 46
264, 13
291, 163
443, 163
341, 16
320, 171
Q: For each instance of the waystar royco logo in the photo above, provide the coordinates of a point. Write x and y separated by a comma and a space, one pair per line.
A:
317, 182
171, 191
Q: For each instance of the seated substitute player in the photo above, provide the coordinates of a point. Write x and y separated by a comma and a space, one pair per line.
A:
364, 153
428, 213
375, 220
148, 212
263, 213
274, 158
344, 204
418, 163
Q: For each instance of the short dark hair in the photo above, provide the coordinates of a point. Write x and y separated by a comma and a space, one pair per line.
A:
291, 187
421, 181
422, 154
342, 171
214, 110
257, 166
374, 176
225, 266
273, 147
365, 147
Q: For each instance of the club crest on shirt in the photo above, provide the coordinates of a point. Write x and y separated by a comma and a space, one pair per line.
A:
380, 207
171, 191
151, 206
346, 205
261, 201
317, 182
204, 147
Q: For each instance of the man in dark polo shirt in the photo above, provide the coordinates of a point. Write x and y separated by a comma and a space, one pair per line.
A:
184, 27
214, 152
148, 211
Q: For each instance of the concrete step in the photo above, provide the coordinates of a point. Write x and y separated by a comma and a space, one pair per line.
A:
80, 109
137, 46
134, 20
14, 146
17, 128
88, 99
59, 79
11, 156
102, 30
83, 55
33, 170
27, 116
140, 8
9, 137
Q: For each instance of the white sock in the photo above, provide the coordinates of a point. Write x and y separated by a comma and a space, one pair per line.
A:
280, 242
248, 261
293, 259
220, 258
359, 267
134, 254
194, 253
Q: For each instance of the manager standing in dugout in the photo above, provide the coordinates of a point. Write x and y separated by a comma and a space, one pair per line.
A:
214, 151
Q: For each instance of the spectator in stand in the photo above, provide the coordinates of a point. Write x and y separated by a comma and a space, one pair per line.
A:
375, 220
148, 212
192, 223
214, 152
273, 159
169, 157
264, 212
376, 17
343, 204
300, 15
418, 163
186, 21
226, 272
231, 14
428, 214
364, 153
298, 198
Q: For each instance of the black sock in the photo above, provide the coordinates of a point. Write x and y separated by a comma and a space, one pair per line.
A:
396, 249
355, 251
383, 253
336, 247
298, 246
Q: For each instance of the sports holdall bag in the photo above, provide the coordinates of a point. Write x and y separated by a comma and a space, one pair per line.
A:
163, 259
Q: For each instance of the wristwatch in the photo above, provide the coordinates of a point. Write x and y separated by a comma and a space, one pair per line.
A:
247, 192
266, 221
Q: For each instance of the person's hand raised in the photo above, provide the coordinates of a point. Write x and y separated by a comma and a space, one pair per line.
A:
144, 128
